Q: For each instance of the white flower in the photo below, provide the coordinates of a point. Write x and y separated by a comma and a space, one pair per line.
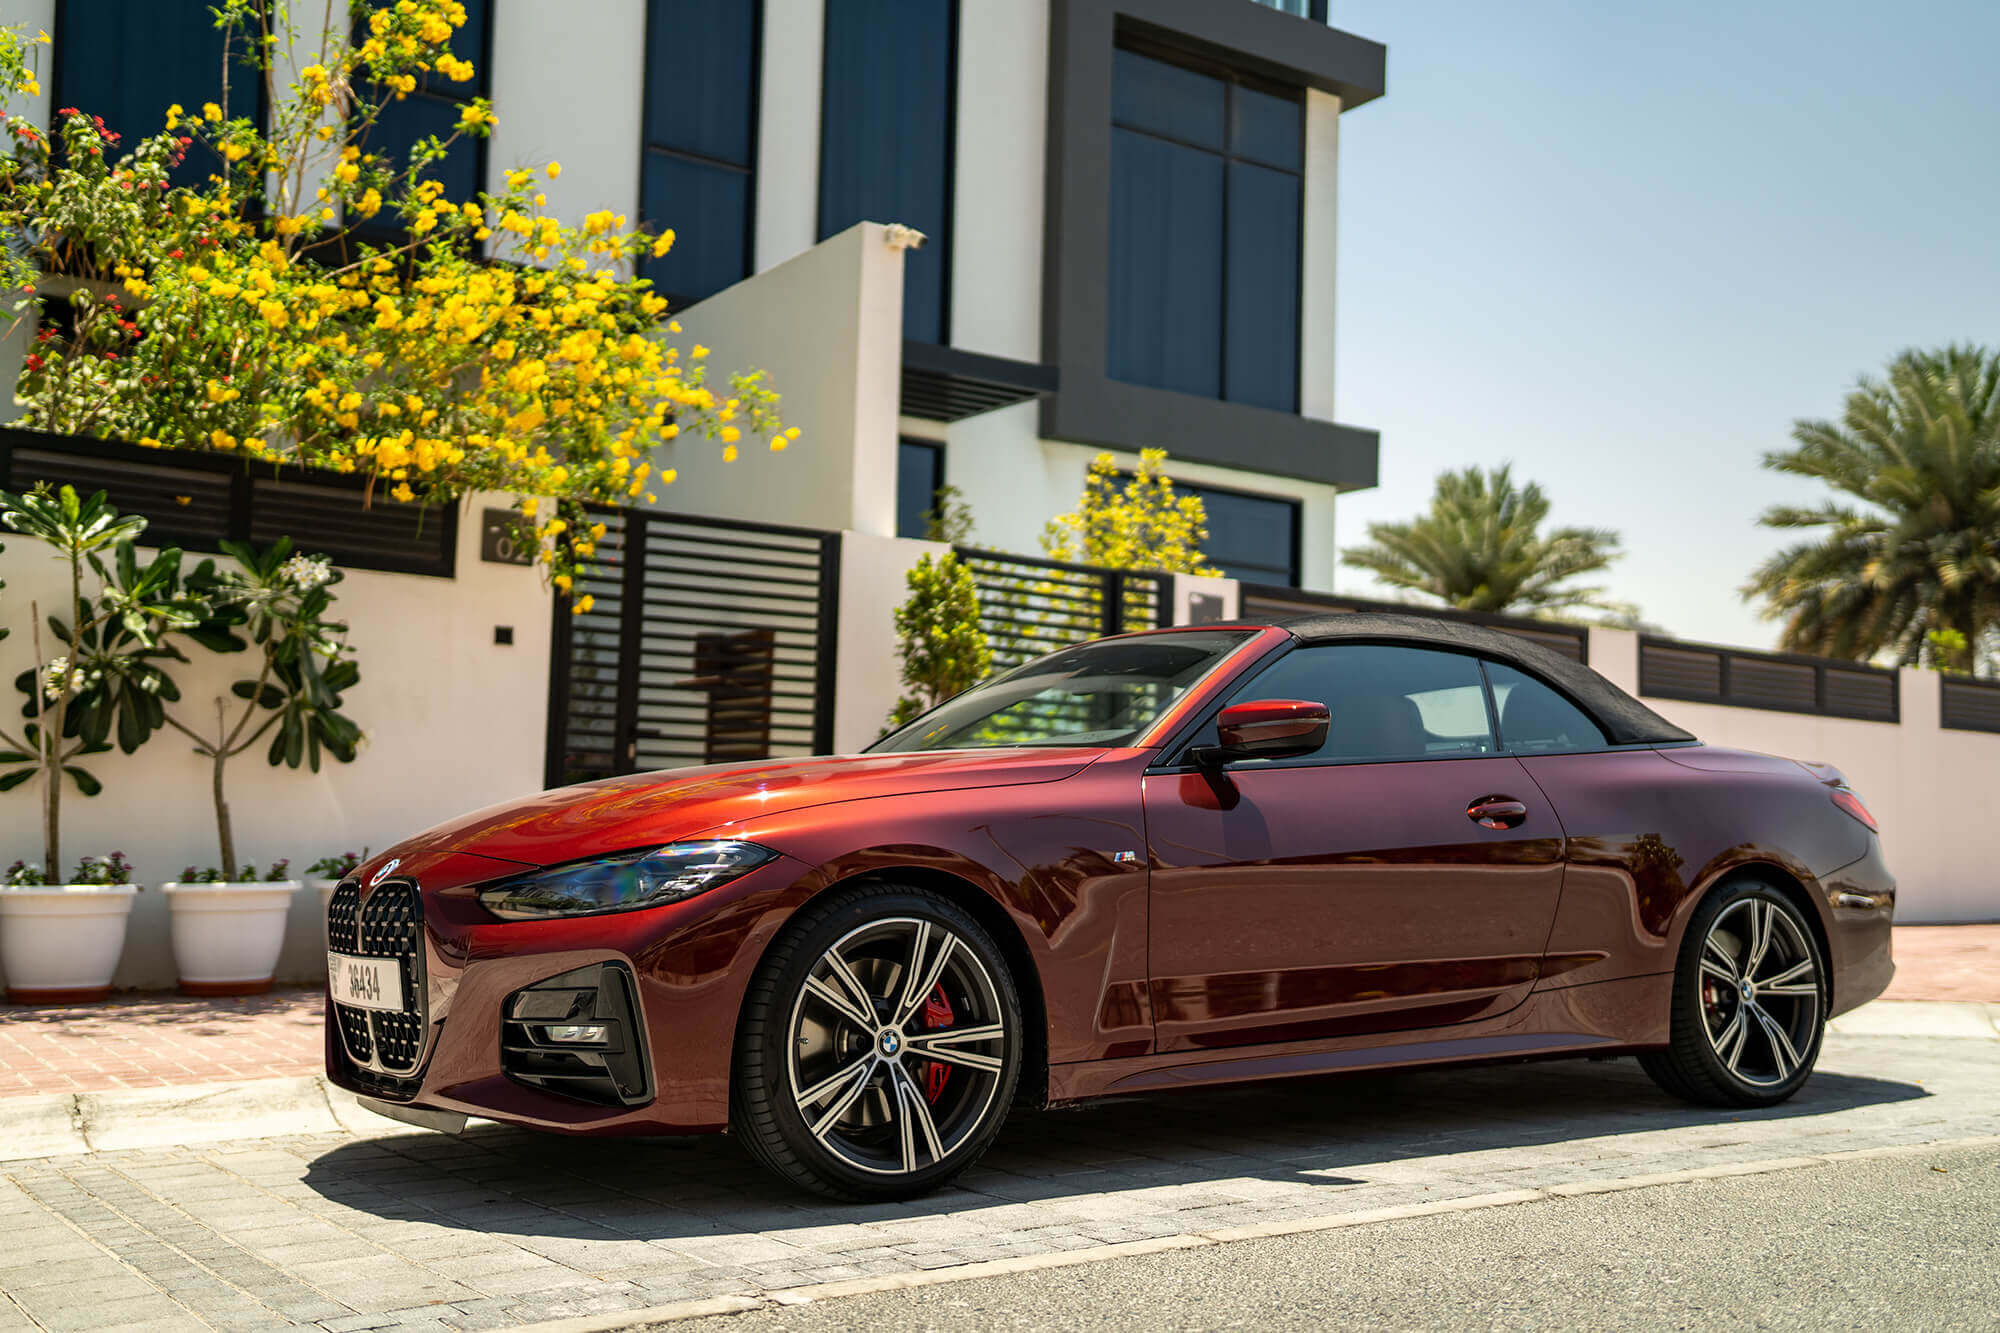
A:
59, 678
306, 572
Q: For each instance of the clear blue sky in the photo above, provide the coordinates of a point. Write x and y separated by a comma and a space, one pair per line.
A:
1625, 245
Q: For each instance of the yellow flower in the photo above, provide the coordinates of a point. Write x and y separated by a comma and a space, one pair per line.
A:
583, 603
31, 86
474, 116
347, 173
731, 435
554, 170
174, 114
221, 438
235, 152
211, 110
663, 242
729, 454
699, 352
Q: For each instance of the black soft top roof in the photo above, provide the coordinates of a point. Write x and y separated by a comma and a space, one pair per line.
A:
1625, 720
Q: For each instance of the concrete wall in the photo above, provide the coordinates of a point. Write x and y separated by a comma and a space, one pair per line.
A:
1931, 789
568, 85
788, 132
454, 722
828, 326
996, 262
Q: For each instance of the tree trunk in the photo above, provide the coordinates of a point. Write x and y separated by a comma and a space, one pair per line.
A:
222, 827
48, 755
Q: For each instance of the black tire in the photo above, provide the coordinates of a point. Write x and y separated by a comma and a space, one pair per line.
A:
1744, 1040
898, 1127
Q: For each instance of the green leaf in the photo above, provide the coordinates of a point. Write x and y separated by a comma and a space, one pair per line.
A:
85, 783
9, 781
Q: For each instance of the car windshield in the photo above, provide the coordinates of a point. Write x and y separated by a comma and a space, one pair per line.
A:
1104, 693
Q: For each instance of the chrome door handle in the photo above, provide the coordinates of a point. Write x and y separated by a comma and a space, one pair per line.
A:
1497, 812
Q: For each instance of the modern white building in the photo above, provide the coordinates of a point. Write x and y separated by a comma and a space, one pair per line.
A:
1129, 211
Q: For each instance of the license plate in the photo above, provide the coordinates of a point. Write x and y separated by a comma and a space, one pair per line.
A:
365, 983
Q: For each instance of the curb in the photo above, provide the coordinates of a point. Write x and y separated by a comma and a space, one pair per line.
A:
84, 1122
1920, 1018
867, 1286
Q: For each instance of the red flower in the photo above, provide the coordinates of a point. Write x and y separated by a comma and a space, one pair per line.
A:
111, 356
34, 361
173, 254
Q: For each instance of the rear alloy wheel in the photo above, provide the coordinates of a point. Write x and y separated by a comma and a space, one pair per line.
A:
880, 1046
1749, 1006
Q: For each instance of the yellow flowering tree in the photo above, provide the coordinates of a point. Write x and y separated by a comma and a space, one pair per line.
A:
318, 302
1135, 521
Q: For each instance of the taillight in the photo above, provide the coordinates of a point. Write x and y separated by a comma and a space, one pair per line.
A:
1848, 801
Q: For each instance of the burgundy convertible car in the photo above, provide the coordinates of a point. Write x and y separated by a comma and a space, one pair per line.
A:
1190, 856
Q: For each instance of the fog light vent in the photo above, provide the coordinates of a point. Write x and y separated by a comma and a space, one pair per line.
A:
579, 1035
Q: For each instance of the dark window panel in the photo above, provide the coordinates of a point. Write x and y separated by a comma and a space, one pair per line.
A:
419, 116
1250, 537
919, 474
1152, 95
1166, 265
1267, 129
709, 208
701, 61
129, 60
1261, 322
885, 136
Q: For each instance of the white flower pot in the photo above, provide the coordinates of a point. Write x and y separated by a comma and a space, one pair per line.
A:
60, 943
325, 888
227, 936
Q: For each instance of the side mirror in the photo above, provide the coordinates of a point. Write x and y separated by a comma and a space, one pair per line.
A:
1266, 729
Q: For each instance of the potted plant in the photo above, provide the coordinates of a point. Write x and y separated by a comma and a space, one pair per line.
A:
229, 927
280, 602
325, 874
60, 943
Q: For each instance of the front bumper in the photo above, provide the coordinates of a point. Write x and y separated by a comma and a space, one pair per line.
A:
690, 962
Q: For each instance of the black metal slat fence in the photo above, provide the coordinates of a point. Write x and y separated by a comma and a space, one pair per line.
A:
1029, 606
1969, 705
1269, 602
705, 641
1778, 682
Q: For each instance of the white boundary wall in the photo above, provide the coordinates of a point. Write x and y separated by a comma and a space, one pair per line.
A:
454, 722
1933, 790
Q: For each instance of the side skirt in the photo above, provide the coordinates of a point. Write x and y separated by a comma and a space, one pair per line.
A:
1596, 1019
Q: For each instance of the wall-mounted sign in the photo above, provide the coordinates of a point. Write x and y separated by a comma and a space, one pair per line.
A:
1204, 608
505, 538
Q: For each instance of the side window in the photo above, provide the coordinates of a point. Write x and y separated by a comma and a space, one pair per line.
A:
1387, 702
1534, 719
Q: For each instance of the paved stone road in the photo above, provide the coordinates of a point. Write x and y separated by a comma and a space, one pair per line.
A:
499, 1227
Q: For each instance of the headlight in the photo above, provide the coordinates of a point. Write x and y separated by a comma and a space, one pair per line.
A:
623, 883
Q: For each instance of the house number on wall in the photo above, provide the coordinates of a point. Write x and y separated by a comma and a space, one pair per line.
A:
506, 539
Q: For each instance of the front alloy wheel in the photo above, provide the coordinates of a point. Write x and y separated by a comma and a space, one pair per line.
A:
880, 1046
1749, 1002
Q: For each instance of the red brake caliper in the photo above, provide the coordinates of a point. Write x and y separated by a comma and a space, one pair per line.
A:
937, 1014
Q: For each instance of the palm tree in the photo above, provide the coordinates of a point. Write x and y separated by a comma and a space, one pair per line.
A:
1913, 571
1481, 548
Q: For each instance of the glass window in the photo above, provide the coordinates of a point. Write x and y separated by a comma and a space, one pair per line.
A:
1207, 187
129, 60
1250, 537
1104, 693
885, 136
919, 474
1387, 702
432, 111
1534, 718
700, 126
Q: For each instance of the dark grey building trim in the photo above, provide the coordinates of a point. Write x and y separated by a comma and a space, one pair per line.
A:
1090, 407
949, 384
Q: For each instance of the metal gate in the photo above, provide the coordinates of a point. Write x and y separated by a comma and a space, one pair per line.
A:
707, 641
1029, 606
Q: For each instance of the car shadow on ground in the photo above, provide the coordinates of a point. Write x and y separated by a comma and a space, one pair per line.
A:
1312, 1135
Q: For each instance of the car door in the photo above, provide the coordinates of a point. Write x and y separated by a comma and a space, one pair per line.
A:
1403, 876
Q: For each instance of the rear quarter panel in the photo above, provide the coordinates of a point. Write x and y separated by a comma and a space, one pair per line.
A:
1650, 832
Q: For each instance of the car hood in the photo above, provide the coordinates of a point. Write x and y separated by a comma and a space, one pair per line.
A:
650, 808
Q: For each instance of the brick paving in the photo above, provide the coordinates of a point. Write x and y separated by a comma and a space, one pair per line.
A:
1947, 963
497, 1227
146, 1040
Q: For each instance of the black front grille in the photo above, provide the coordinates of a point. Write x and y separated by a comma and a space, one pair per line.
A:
388, 924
